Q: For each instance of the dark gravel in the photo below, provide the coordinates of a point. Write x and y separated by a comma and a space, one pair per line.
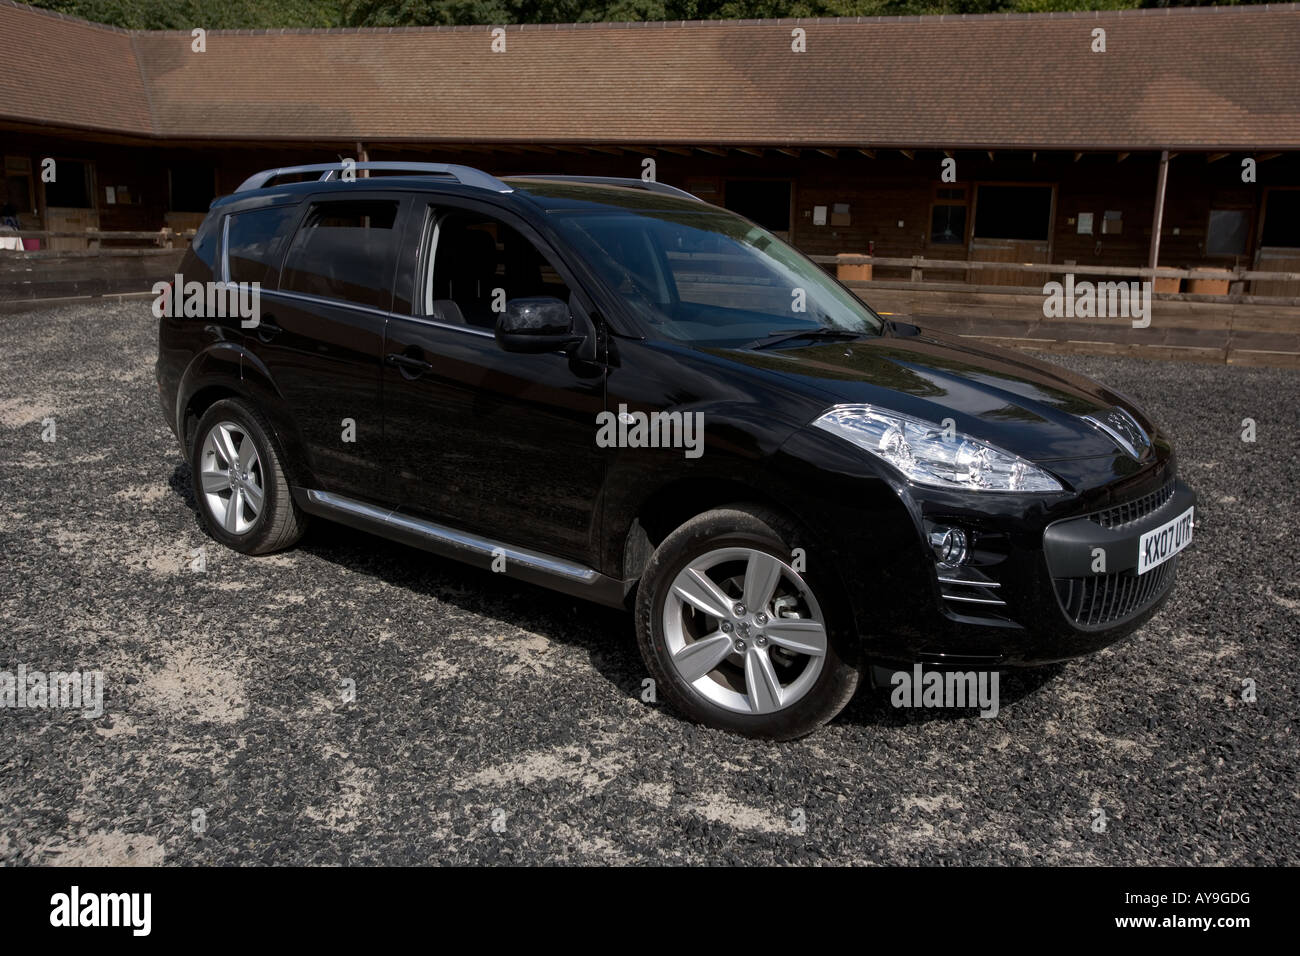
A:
479, 699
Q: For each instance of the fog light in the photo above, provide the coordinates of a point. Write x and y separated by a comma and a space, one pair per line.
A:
949, 546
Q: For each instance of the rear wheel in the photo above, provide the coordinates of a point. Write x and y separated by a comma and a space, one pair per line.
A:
737, 637
239, 483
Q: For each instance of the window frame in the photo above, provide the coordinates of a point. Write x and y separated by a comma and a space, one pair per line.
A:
968, 200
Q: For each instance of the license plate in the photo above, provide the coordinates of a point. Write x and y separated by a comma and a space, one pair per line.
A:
1158, 546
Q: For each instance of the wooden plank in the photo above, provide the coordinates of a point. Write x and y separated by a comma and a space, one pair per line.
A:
866, 288
1130, 272
112, 253
1282, 262
1010, 251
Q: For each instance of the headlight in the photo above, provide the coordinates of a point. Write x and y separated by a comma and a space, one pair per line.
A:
925, 454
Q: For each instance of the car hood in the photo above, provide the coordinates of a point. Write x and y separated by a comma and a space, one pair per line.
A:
1024, 406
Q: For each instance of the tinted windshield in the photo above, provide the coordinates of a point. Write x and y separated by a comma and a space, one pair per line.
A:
712, 279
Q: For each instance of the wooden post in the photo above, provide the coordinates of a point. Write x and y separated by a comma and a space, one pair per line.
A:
916, 268
1161, 181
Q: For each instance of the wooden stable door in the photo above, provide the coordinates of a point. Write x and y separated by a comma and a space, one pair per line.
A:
1279, 241
70, 220
1276, 259
1013, 223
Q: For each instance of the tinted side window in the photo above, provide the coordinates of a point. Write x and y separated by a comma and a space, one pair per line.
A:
479, 264
344, 250
199, 264
254, 241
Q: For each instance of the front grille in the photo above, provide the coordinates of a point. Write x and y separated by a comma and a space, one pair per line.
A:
1102, 599
1135, 510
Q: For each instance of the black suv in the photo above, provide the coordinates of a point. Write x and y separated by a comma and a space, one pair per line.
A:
614, 389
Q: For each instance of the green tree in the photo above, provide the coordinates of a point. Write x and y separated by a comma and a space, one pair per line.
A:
272, 14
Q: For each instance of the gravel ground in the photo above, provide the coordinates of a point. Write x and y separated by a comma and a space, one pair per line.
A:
496, 722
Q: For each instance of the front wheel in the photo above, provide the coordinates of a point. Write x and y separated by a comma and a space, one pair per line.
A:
737, 637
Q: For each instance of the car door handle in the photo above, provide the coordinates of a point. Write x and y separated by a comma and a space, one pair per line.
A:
267, 329
408, 363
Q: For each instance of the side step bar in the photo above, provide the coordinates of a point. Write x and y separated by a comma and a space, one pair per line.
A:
535, 567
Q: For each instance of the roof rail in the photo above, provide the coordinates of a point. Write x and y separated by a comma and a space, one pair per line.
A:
465, 175
616, 181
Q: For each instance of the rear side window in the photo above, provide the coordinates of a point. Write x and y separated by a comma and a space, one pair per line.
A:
344, 250
255, 241
199, 263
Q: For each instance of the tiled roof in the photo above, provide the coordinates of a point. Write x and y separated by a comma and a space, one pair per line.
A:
1179, 78
58, 71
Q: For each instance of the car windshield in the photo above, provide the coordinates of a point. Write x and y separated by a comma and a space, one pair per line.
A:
712, 279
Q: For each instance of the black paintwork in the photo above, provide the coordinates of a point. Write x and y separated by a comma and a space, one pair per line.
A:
452, 428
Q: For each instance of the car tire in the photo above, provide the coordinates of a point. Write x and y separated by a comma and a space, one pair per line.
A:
785, 678
264, 516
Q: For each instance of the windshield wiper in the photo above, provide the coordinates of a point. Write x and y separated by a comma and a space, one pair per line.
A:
786, 335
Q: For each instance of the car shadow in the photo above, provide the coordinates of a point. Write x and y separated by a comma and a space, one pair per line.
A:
875, 706
606, 634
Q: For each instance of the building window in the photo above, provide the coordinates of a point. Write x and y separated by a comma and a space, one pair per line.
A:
72, 187
18, 190
765, 201
948, 216
1228, 232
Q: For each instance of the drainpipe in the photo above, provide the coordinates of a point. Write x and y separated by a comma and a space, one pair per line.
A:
1161, 181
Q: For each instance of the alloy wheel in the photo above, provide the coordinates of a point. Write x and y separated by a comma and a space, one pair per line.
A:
232, 478
744, 630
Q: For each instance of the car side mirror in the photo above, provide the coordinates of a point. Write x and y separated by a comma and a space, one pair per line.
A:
539, 324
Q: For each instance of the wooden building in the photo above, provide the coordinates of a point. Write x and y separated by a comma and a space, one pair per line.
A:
1060, 138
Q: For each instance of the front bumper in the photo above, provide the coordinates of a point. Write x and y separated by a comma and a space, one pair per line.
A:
1006, 605
1056, 591
1094, 560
